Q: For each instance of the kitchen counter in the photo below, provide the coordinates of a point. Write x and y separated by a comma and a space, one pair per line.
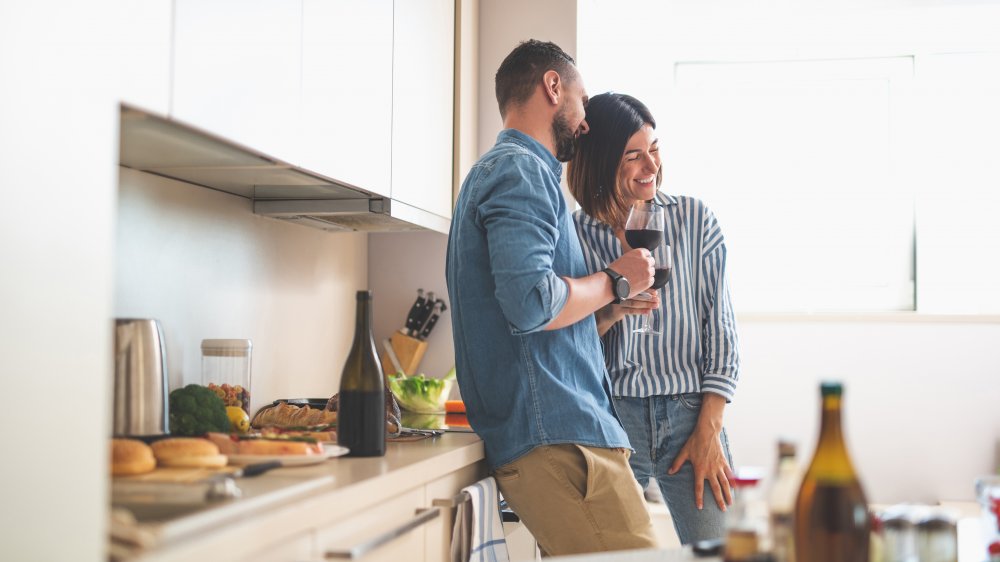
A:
644, 555
970, 549
180, 525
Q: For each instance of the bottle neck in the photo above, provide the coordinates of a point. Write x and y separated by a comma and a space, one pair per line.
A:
830, 431
831, 459
362, 320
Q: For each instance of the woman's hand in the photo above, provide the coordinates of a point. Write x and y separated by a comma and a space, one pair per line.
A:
608, 315
704, 450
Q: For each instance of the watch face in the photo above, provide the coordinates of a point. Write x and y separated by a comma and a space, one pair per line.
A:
621, 288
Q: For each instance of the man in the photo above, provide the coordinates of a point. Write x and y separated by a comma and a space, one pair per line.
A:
528, 356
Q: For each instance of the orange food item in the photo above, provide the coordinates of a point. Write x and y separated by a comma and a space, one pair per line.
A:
454, 407
278, 447
456, 420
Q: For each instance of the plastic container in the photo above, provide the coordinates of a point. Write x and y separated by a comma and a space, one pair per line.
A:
746, 518
225, 368
937, 538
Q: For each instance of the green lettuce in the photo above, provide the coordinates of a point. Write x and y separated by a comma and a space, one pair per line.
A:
421, 394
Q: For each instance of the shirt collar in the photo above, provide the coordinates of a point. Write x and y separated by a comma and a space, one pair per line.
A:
665, 199
528, 142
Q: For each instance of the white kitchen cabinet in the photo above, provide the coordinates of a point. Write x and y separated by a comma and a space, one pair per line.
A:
144, 55
346, 117
237, 70
443, 491
294, 549
305, 513
423, 103
400, 514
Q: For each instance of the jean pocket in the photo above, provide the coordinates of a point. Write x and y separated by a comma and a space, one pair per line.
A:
691, 401
506, 473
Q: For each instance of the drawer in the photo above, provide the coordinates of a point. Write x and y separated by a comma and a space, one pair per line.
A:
390, 531
294, 549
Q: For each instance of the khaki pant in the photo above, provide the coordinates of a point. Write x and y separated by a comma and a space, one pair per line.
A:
576, 499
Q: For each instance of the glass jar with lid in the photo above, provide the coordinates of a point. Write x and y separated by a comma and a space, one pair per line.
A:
225, 369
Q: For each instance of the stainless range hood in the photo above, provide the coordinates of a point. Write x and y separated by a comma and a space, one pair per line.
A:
168, 148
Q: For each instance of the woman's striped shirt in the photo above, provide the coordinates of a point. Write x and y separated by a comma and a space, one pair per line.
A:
697, 350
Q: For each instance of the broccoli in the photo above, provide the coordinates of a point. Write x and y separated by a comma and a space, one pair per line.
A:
196, 410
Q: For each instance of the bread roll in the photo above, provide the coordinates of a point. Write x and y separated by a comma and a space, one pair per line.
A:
131, 456
188, 452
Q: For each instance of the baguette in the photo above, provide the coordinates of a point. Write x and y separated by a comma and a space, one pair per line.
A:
286, 415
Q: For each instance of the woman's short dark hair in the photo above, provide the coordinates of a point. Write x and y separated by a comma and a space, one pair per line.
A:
523, 68
593, 173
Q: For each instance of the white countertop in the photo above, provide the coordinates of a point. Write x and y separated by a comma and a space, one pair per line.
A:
970, 549
343, 481
644, 555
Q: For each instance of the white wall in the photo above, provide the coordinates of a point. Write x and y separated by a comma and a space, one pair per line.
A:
202, 263
399, 264
58, 139
502, 25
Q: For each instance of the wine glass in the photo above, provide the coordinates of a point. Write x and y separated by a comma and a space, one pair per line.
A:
644, 229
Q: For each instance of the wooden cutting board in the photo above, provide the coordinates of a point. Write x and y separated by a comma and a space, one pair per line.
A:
177, 475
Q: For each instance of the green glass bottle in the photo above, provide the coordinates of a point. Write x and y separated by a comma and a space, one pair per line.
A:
832, 523
361, 411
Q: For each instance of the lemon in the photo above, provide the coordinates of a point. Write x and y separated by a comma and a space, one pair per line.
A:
239, 421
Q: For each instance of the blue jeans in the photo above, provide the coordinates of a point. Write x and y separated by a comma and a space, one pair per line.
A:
657, 427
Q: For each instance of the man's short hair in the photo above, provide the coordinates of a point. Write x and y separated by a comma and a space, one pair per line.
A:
524, 67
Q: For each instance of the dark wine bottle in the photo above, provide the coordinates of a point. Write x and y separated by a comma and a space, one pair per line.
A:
361, 411
832, 523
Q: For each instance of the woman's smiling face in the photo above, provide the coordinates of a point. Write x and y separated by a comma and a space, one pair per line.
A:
639, 165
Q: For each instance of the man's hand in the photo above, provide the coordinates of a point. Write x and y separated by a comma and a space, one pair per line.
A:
608, 315
636, 266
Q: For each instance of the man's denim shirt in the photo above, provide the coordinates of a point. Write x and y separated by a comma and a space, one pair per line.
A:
511, 240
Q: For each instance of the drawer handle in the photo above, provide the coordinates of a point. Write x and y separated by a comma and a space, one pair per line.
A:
359, 550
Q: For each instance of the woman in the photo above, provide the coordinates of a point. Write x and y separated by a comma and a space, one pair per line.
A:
670, 389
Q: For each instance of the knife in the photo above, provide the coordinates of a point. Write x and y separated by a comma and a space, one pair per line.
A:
439, 307
424, 315
411, 326
392, 356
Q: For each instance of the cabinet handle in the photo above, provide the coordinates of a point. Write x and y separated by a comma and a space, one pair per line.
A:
357, 551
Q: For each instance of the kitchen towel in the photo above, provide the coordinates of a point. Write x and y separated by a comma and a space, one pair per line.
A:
478, 532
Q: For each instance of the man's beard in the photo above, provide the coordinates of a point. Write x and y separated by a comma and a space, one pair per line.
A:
565, 137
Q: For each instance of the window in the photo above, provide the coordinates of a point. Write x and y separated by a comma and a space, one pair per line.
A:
848, 175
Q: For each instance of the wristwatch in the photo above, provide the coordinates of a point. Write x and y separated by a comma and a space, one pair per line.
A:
619, 285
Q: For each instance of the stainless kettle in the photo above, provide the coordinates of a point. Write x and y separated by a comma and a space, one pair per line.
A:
140, 389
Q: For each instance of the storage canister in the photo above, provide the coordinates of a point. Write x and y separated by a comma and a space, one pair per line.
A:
225, 369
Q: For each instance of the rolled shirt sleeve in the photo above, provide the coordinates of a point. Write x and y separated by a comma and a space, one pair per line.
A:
520, 218
721, 358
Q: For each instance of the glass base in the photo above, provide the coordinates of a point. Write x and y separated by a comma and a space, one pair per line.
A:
646, 330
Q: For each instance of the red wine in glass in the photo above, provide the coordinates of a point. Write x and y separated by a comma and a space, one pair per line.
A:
660, 277
644, 238
644, 229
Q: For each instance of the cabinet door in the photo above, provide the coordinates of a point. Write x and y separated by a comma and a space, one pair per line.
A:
237, 70
346, 120
395, 519
442, 491
145, 55
295, 549
423, 103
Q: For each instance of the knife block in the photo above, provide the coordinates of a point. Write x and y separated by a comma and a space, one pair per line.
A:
409, 350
